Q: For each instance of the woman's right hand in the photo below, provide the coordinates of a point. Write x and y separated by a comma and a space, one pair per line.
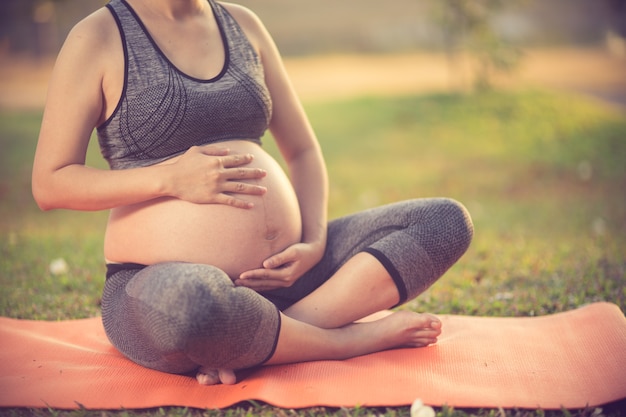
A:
210, 174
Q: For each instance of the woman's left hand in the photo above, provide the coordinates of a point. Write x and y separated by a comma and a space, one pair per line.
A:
283, 269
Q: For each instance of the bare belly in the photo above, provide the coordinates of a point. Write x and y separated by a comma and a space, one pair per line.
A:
233, 239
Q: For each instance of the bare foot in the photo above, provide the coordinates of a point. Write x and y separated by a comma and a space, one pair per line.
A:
207, 376
397, 330
300, 342
408, 329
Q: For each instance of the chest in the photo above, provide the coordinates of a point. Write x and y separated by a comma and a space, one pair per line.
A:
196, 50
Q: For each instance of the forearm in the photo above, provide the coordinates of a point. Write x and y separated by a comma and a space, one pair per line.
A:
79, 187
310, 181
297, 142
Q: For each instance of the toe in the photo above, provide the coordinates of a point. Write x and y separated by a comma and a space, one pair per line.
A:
208, 376
227, 376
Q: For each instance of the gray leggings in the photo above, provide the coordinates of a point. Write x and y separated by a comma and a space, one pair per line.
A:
175, 317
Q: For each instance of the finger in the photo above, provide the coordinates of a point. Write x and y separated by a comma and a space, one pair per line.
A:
263, 278
213, 150
261, 275
236, 160
229, 200
280, 259
244, 173
243, 188
273, 262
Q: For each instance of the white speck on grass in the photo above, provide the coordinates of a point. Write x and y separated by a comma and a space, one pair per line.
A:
58, 267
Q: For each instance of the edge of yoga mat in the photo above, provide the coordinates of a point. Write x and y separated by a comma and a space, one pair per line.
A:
573, 359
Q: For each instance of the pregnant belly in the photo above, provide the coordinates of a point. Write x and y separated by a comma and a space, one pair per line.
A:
232, 239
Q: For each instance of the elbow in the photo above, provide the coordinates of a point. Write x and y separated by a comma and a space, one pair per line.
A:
42, 202
44, 206
42, 195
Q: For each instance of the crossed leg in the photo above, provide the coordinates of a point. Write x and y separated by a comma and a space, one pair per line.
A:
421, 239
322, 325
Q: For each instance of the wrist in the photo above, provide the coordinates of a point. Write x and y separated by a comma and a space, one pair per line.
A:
318, 245
163, 183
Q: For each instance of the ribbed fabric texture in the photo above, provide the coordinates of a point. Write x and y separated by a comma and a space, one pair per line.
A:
174, 317
163, 112
417, 241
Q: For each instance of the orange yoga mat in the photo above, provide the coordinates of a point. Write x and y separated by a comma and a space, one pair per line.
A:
573, 360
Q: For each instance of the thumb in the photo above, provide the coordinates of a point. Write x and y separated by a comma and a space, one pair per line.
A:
214, 150
273, 262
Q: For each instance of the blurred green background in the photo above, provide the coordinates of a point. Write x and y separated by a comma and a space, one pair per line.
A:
520, 114
537, 152
323, 26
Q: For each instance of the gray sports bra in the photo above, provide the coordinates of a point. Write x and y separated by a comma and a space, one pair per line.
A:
163, 112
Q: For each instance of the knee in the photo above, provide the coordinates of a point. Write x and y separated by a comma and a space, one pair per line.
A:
174, 299
449, 232
221, 325
458, 224
179, 291
195, 310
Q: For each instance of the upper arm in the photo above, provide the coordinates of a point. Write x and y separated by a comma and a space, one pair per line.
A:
289, 125
74, 104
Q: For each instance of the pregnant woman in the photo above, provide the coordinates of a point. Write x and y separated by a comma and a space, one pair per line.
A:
216, 259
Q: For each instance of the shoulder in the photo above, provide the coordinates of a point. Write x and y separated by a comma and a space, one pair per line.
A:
249, 22
91, 50
94, 33
242, 14
91, 46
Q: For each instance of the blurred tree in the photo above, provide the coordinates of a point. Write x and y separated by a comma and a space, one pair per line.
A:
39, 27
29, 26
617, 16
468, 33
15, 24
616, 31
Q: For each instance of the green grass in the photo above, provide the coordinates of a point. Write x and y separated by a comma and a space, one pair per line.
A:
543, 175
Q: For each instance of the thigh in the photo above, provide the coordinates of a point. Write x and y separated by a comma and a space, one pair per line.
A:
348, 236
123, 317
174, 317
